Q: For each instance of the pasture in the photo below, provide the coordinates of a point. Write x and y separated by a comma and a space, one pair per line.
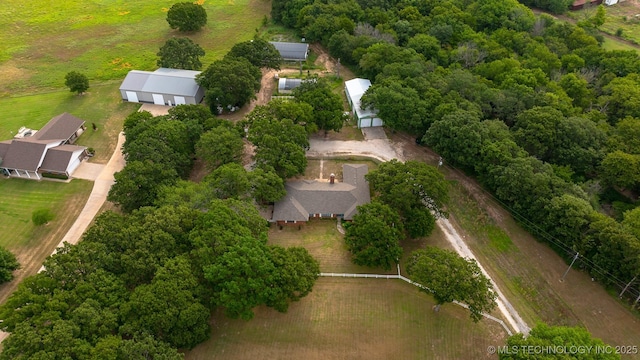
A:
353, 319
43, 40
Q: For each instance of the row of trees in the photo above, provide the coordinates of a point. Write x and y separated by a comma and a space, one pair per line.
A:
534, 107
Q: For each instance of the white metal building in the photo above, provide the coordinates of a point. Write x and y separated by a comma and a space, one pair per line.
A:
162, 87
354, 90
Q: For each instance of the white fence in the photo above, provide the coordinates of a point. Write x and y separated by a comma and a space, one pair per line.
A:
398, 276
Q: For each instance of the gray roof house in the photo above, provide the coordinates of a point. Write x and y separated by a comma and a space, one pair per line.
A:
31, 153
292, 51
318, 199
162, 87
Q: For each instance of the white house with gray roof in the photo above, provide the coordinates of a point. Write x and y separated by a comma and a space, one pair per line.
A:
162, 87
32, 153
307, 199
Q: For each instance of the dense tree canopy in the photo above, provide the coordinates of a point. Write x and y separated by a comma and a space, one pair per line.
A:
559, 336
414, 189
259, 52
187, 16
229, 83
180, 53
449, 277
373, 238
327, 106
220, 146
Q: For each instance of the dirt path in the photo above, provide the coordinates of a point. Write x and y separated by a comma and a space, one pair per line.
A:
385, 150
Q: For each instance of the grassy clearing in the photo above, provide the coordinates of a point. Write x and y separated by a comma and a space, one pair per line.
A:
353, 319
21, 197
101, 105
611, 44
324, 243
43, 40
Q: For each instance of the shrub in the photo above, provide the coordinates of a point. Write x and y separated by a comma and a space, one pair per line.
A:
619, 32
8, 264
41, 216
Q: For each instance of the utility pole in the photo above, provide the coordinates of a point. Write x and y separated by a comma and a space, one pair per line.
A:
573, 261
626, 287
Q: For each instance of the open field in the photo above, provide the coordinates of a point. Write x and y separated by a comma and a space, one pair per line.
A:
354, 319
101, 105
31, 244
528, 271
43, 40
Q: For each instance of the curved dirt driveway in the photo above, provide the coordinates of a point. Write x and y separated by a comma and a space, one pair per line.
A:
385, 150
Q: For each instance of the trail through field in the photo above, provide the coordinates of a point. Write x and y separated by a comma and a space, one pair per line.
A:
505, 307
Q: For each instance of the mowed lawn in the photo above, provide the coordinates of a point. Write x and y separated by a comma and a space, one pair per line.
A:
101, 105
353, 319
21, 197
43, 40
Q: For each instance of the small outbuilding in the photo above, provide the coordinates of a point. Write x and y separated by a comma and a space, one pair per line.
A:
354, 90
292, 51
162, 87
286, 85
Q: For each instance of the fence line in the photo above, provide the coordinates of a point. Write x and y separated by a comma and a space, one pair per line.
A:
398, 276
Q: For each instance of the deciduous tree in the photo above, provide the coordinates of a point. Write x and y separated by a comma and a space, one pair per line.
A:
229, 83
76, 82
373, 238
187, 16
449, 277
220, 146
259, 52
8, 263
180, 53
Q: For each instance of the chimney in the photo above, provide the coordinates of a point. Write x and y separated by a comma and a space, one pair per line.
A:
332, 178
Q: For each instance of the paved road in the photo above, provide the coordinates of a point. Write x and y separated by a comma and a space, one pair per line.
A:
385, 150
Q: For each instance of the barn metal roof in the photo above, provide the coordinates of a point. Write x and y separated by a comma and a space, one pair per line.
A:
292, 51
162, 81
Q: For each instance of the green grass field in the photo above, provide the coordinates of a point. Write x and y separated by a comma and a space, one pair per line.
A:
43, 40
101, 105
353, 319
21, 197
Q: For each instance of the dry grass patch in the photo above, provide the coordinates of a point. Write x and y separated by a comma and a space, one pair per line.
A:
323, 241
353, 319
